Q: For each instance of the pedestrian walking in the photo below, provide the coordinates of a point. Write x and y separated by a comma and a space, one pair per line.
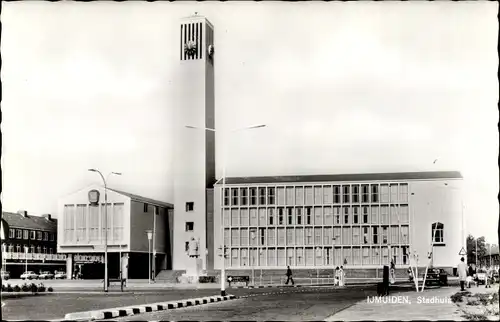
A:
289, 276
462, 273
336, 277
341, 276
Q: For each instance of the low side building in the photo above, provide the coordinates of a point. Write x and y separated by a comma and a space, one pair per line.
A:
83, 234
29, 243
315, 223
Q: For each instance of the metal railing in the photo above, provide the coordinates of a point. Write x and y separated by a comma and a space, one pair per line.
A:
34, 256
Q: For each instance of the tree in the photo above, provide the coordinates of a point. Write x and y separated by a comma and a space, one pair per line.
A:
482, 252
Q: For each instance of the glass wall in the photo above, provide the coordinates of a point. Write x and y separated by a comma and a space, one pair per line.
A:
317, 225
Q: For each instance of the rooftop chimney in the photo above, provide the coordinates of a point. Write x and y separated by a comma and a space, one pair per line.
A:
24, 213
47, 216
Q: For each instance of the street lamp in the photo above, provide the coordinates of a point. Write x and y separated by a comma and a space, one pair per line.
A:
223, 266
252, 257
26, 257
150, 236
106, 277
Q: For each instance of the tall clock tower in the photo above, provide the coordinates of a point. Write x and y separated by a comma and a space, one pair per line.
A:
194, 147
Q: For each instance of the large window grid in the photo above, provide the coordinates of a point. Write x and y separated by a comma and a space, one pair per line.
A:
306, 220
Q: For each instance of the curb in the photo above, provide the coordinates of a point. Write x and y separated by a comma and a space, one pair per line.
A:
138, 309
266, 286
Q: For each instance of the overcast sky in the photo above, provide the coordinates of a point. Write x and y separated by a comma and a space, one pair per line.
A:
343, 87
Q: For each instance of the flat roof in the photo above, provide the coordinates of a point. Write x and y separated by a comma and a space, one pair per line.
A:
394, 176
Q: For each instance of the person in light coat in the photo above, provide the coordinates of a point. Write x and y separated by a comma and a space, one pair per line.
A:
462, 273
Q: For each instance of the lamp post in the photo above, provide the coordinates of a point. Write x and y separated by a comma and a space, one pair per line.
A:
26, 257
106, 277
252, 258
150, 236
223, 265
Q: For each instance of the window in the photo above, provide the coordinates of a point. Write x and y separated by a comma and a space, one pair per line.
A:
384, 189
327, 236
94, 223
262, 235
299, 196
317, 195
384, 215
235, 237
244, 217
18, 248
32, 249
308, 216
253, 216
375, 193
280, 216
336, 215
375, 235
189, 206
299, 236
271, 216
385, 235
25, 234
346, 215
235, 217
394, 193
289, 236
244, 196
328, 216
327, 194
118, 221
437, 230
39, 249
39, 235
346, 194
226, 197
355, 236
12, 233
336, 194
32, 235
46, 236
186, 246
262, 216
365, 195
403, 193
262, 196
374, 210
253, 196
365, 235
405, 255
145, 207
81, 223
271, 195
355, 193
299, 215
234, 194
309, 236
365, 215
318, 216
244, 237
271, 237
290, 216
355, 215
317, 236
51, 250
189, 226
19, 234
44, 250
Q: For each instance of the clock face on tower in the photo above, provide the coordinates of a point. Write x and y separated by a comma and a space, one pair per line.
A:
190, 48
210, 51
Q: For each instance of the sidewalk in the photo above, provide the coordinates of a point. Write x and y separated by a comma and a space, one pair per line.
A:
432, 304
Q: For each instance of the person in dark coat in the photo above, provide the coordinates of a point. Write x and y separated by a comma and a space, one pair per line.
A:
289, 276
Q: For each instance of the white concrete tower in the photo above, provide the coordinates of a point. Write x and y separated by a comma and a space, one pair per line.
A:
194, 148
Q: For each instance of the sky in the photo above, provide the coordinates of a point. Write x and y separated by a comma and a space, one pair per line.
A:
343, 87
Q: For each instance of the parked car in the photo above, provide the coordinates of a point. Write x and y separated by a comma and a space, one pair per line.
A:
46, 275
60, 275
481, 276
30, 275
5, 275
